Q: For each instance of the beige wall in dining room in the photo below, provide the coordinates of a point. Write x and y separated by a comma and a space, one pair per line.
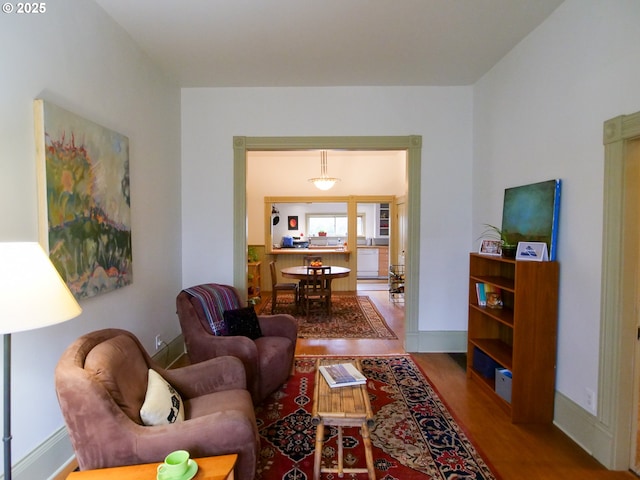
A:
271, 174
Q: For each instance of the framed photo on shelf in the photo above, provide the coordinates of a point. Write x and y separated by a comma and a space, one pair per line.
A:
532, 252
491, 247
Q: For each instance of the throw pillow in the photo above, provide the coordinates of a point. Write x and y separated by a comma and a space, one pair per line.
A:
243, 322
162, 403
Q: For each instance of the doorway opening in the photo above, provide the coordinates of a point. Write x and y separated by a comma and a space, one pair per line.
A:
411, 144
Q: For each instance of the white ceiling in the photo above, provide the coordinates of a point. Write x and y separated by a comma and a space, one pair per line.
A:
249, 43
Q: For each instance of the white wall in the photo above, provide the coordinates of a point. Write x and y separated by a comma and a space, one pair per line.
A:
442, 115
76, 57
538, 115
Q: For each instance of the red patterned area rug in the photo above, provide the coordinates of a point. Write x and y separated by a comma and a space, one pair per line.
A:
352, 316
414, 436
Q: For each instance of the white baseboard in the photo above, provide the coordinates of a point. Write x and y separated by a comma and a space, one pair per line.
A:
584, 429
45, 461
171, 352
436, 342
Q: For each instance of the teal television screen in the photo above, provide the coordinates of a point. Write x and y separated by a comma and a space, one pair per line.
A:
530, 214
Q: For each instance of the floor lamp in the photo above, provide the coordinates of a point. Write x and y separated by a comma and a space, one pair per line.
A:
32, 295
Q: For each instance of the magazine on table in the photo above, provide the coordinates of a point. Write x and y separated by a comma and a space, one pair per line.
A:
342, 375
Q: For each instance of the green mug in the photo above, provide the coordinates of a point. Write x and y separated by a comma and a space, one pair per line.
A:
175, 464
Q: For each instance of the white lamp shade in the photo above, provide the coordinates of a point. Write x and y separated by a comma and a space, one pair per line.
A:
324, 183
32, 293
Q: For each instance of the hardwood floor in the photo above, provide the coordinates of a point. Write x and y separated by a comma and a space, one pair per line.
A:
522, 452
515, 452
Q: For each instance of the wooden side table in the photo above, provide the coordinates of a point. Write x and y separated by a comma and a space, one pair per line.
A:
341, 407
209, 468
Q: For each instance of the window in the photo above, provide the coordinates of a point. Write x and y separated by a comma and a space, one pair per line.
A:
333, 225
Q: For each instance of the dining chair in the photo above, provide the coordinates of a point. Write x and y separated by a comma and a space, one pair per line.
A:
280, 287
307, 260
316, 289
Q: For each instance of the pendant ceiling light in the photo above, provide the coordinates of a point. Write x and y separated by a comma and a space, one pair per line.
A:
324, 182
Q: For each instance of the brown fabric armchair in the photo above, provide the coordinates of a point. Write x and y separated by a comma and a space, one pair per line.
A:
268, 360
101, 382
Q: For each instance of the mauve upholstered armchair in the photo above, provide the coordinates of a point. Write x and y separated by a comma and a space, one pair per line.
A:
101, 383
268, 360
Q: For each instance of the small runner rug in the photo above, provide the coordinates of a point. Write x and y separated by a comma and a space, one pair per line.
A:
414, 437
352, 316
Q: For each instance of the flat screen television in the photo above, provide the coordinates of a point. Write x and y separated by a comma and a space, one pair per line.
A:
530, 214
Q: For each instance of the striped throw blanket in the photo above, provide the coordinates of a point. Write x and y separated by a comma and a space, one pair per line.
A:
215, 299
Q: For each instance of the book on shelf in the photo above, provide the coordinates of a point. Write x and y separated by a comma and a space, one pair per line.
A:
480, 292
342, 375
494, 296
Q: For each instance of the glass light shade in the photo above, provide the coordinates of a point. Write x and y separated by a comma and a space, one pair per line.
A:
32, 293
324, 183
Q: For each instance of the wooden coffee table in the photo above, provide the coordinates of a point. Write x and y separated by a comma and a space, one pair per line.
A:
341, 407
209, 468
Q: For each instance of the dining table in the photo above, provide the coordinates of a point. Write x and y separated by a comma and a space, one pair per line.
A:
299, 272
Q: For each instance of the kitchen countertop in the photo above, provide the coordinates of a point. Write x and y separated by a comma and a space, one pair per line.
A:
306, 251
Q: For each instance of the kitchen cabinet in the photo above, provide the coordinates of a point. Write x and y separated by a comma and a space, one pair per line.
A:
383, 261
383, 220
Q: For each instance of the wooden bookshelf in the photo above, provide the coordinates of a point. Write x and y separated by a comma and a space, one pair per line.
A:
521, 336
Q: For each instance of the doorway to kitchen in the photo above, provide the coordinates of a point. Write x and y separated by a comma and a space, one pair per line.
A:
412, 145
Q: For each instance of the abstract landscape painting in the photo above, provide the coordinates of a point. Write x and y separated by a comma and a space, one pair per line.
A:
84, 201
